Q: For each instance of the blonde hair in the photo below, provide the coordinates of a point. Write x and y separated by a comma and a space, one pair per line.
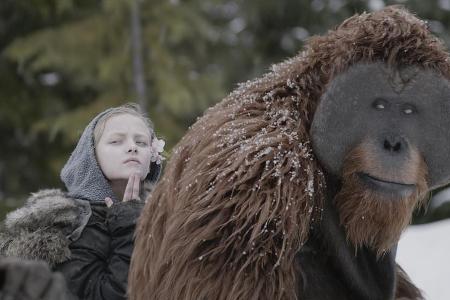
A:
130, 109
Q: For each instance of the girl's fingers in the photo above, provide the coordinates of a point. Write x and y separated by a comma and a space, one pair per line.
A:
129, 189
108, 202
136, 183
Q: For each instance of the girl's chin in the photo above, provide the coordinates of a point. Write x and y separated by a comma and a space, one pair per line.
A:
127, 175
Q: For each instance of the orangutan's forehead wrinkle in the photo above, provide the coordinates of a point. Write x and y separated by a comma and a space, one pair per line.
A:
390, 79
400, 78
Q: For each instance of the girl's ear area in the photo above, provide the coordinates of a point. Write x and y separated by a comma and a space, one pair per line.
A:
156, 149
154, 172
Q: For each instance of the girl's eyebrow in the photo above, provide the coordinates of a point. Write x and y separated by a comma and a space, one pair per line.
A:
142, 135
115, 134
122, 134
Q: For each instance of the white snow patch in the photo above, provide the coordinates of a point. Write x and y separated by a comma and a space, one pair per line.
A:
424, 253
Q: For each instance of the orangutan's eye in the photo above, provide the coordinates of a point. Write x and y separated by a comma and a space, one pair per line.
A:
380, 104
408, 109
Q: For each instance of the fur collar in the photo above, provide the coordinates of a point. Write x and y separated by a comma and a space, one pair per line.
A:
44, 227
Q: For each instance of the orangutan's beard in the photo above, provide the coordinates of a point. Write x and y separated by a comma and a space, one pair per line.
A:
372, 217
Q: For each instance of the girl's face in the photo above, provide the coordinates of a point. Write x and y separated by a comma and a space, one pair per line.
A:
124, 147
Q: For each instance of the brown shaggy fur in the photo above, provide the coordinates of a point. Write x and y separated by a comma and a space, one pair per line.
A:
243, 187
373, 218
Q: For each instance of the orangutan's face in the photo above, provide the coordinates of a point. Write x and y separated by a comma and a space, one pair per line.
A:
377, 129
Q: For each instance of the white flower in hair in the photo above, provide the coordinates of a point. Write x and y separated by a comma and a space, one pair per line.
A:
157, 148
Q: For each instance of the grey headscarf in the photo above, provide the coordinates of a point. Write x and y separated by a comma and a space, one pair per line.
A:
82, 174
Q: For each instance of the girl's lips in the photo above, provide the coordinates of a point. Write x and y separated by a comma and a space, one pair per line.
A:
132, 161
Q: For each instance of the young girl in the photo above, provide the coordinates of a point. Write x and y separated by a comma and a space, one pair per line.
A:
87, 232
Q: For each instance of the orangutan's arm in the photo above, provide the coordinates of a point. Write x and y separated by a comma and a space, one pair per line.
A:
406, 290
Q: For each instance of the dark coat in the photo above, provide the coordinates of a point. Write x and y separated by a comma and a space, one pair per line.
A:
30, 280
93, 257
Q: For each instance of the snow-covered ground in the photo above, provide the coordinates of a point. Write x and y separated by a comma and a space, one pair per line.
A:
424, 253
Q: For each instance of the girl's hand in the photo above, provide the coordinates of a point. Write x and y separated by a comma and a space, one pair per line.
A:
108, 202
131, 190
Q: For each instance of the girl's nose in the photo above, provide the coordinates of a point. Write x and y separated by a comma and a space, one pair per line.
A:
132, 148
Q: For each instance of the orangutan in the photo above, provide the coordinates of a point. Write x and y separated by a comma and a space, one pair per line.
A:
299, 184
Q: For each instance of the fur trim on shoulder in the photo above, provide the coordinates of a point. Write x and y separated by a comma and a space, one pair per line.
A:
44, 208
40, 229
48, 245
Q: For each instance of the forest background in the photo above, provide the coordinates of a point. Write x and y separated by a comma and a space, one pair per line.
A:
63, 61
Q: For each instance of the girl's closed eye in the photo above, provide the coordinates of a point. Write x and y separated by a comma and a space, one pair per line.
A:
142, 143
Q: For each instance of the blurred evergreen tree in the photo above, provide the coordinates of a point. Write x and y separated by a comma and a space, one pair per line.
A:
63, 61
30, 158
73, 60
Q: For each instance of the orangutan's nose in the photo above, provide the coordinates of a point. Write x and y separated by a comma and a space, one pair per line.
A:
394, 144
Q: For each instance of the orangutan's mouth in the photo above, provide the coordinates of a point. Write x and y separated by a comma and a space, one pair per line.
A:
402, 189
